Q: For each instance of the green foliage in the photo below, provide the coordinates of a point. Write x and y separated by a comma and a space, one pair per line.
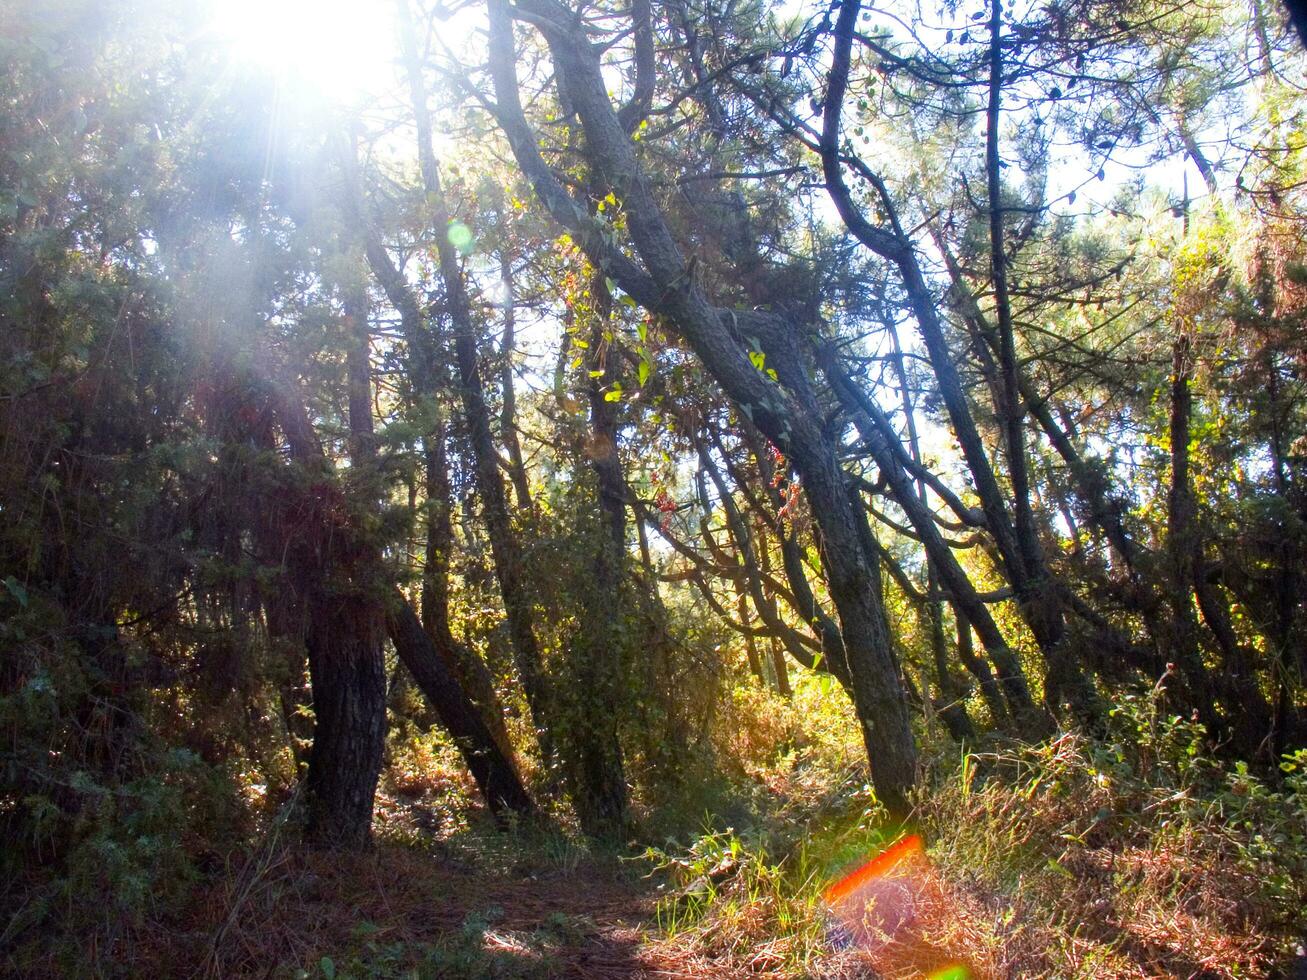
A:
1188, 836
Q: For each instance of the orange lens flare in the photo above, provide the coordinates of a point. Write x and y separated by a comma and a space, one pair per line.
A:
881, 865
884, 910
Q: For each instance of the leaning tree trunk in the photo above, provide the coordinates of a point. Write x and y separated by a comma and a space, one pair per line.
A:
491, 766
1026, 567
468, 667
510, 568
489, 762
784, 407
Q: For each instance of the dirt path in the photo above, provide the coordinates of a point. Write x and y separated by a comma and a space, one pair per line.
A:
398, 910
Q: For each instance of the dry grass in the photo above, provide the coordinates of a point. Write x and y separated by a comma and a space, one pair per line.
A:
1066, 874
1039, 867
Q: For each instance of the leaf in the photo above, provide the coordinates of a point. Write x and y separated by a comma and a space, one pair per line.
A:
644, 371
613, 396
328, 967
1055, 865
17, 590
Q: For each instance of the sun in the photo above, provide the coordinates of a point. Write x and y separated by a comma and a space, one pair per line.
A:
343, 49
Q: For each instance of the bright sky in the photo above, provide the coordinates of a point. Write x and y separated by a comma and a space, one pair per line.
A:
343, 48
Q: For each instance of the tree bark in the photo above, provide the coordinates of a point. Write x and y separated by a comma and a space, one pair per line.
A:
467, 666
1036, 591
508, 394
341, 624
601, 798
343, 633
881, 440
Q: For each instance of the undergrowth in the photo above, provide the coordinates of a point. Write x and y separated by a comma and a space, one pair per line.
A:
1134, 854
1138, 854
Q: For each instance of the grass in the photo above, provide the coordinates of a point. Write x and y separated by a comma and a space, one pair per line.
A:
1134, 855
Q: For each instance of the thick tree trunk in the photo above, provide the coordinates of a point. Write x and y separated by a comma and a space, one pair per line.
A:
330, 606
344, 633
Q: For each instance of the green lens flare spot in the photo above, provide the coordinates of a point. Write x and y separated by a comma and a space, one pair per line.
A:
460, 236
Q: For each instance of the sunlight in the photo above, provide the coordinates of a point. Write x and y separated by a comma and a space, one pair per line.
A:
340, 48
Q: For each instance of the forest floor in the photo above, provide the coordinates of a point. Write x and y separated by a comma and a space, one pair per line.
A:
428, 905
428, 901
442, 896
1055, 860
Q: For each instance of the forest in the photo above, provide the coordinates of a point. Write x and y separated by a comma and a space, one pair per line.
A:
670, 488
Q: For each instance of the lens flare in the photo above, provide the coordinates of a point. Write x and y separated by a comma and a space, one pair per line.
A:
872, 903
874, 908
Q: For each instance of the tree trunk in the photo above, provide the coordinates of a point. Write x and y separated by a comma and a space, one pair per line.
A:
1037, 596
344, 634
505, 552
491, 766
1182, 542
880, 438
430, 665
952, 709
467, 666
783, 408
598, 657
508, 394
750, 641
